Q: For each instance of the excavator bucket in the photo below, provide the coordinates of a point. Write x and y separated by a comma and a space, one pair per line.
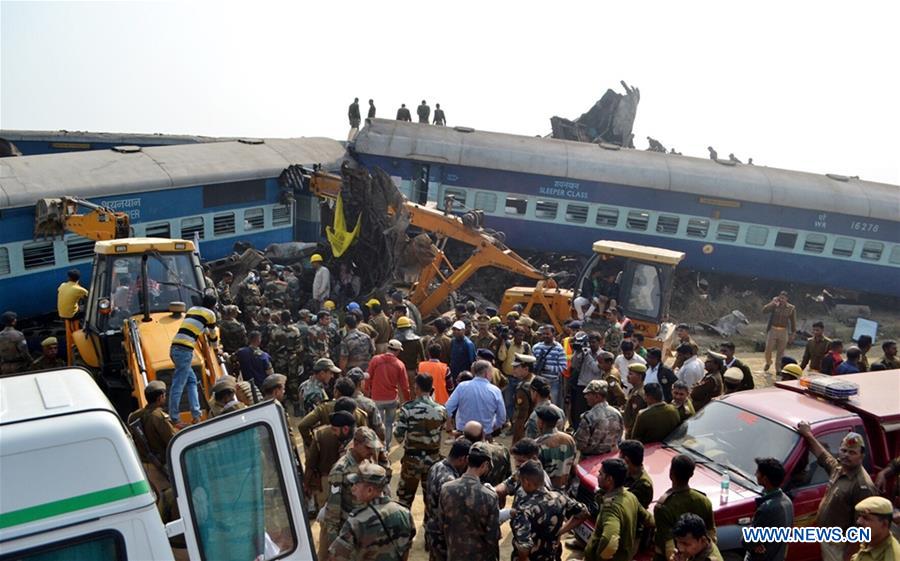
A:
338, 236
49, 218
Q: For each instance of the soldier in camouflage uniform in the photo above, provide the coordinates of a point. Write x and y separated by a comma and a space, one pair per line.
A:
380, 530
223, 289
320, 337
312, 391
376, 422
341, 503
14, 355
448, 469
522, 451
232, 333
600, 428
276, 289
249, 299
636, 401
469, 512
285, 347
557, 448
501, 464
540, 397
293, 290
419, 427
356, 348
541, 516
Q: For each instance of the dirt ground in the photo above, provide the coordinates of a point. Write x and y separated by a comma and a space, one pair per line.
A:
418, 553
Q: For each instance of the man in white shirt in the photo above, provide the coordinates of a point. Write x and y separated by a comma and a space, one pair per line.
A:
321, 287
625, 359
692, 369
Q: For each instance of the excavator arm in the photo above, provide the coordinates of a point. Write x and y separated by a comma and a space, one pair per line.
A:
487, 250
55, 217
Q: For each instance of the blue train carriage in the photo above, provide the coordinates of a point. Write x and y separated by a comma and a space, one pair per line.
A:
555, 195
222, 192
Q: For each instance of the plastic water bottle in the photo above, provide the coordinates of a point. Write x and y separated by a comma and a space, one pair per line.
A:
726, 483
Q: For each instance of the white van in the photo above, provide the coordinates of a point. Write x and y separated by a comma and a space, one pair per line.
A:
72, 487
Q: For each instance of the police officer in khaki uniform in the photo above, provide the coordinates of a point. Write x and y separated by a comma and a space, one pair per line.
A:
658, 419
710, 386
225, 399
678, 500
155, 423
875, 513
48, 358
635, 401
14, 355
523, 366
692, 541
615, 391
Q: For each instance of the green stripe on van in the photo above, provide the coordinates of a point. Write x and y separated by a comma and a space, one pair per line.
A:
65, 506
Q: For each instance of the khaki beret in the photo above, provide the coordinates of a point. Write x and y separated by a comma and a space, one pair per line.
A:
875, 505
49, 341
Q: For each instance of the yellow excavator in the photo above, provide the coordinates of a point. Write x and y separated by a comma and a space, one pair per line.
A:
139, 290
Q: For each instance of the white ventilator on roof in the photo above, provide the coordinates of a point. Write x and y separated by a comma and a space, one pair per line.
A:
589, 162
96, 173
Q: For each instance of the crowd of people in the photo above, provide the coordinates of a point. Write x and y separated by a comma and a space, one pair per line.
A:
361, 379
423, 113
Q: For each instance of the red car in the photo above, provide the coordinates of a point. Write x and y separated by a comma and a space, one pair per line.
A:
729, 433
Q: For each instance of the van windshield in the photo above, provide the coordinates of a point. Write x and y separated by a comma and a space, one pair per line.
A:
733, 437
170, 278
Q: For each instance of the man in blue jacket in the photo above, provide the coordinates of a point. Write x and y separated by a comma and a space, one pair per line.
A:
462, 350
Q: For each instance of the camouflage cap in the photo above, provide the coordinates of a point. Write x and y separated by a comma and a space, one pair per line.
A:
853, 441
325, 364
369, 472
597, 386
481, 449
365, 435
547, 414
875, 505
357, 374
272, 381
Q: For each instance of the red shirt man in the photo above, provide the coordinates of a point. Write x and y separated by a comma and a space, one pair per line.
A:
387, 375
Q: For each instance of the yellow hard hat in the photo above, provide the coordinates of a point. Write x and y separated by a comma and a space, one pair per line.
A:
495, 321
373, 302
404, 322
329, 305
792, 371
316, 258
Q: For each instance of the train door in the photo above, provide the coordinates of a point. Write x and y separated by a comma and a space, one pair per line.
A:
420, 180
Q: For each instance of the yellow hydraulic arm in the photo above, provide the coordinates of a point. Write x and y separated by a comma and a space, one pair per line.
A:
54, 217
487, 252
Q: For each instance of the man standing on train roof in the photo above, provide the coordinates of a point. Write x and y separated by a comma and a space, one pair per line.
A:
371, 114
321, 282
780, 329
403, 114
69, 294
353, 113
439, 118
423, 111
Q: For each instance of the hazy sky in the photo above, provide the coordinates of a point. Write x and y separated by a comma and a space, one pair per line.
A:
813, 86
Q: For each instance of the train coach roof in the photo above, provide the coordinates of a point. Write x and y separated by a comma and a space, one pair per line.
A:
591, 162
24, 180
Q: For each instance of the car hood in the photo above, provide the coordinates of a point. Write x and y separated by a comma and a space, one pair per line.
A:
657, 459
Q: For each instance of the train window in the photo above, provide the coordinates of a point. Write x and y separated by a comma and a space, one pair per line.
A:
546, 210
895, 255
486, 201
160, 230
516, 205
843, 247
637, 220
4, 261
38, 255
281, 215
871, 251
223, 224
607, 217
576, 213
727, 231
459, 197
785, 240
815, 243
757, 235
667, 224
79, 248
234, 193
191, 226
254, 219
698, 227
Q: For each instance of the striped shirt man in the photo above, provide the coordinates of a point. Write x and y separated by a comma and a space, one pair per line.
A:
197, 320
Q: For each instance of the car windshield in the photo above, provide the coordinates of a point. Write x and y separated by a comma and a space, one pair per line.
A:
733, 437
171, 278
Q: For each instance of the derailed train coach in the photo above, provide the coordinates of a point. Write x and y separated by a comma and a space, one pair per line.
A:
556, 195
219, 192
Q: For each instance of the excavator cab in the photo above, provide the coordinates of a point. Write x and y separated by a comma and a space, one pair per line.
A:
638, 278
140, 289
